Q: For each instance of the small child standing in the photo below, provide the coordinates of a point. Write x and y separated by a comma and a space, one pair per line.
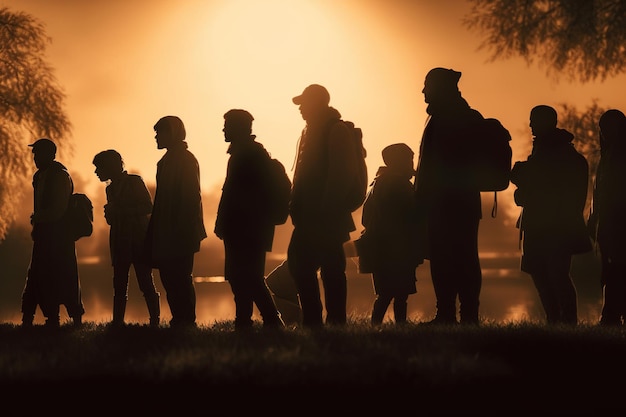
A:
390, 222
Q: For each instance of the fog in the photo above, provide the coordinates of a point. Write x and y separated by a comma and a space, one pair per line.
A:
507, 293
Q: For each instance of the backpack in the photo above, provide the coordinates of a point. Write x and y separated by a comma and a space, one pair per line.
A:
356, 196
279, 186
491, 158
79, 216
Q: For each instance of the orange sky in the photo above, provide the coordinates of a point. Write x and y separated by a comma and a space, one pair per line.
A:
124, 64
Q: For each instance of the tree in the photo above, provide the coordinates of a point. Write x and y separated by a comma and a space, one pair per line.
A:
584, 39
31, 105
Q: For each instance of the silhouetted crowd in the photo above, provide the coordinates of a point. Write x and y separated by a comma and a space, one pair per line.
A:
412, 211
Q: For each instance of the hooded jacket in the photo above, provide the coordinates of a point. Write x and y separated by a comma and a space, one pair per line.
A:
323, 171
552, 189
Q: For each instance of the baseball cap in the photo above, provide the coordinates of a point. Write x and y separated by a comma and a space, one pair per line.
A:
44, 144
313, 93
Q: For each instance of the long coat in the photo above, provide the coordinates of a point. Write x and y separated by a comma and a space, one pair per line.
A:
391, 225
53, 270
445, 196
552, 191
242, 214
176, 226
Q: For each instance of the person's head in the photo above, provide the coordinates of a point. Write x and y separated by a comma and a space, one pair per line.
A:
612, 125
313, 100
109, 164
237, 125
44, 152
441, 84
169, 130
398, 156
543, 119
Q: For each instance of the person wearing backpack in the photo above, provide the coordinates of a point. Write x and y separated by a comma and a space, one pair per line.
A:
552, 187
52, 277
244, 222
176, 225
448, 203
127, 212
325, 170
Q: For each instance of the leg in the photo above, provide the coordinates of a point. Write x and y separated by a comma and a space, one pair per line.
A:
546, 294
177, 279
381, 303
400, 307
333, 274
244, 304
470, 278
265, 303
565, 290
443, 273
613, 293
120, 291
303, 266
239, 266
30, 297
145, 280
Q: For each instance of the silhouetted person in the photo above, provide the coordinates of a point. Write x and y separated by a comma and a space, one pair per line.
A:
176, 225
322, 222
607, 222
243, 222
552, 191
127, 211
52, 277
448, 204
389, 220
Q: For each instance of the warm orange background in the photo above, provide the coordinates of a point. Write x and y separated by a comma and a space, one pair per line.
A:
124, 64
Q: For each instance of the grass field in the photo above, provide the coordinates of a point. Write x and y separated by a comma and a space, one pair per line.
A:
495, 369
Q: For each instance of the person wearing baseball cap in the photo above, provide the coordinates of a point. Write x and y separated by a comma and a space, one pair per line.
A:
52, 277
314, 93
322, 222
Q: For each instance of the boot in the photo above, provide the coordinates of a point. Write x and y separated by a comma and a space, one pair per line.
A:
77, 320
52, 322
154, 309
27, 320
399, 311
378, 310
273, 322
119, 310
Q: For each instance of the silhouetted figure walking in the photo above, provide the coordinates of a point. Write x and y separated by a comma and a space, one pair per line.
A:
52, 277
390, 222
243, 222
607, 221
552, 191
325, 165
448, 204
176, 225
127, 211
